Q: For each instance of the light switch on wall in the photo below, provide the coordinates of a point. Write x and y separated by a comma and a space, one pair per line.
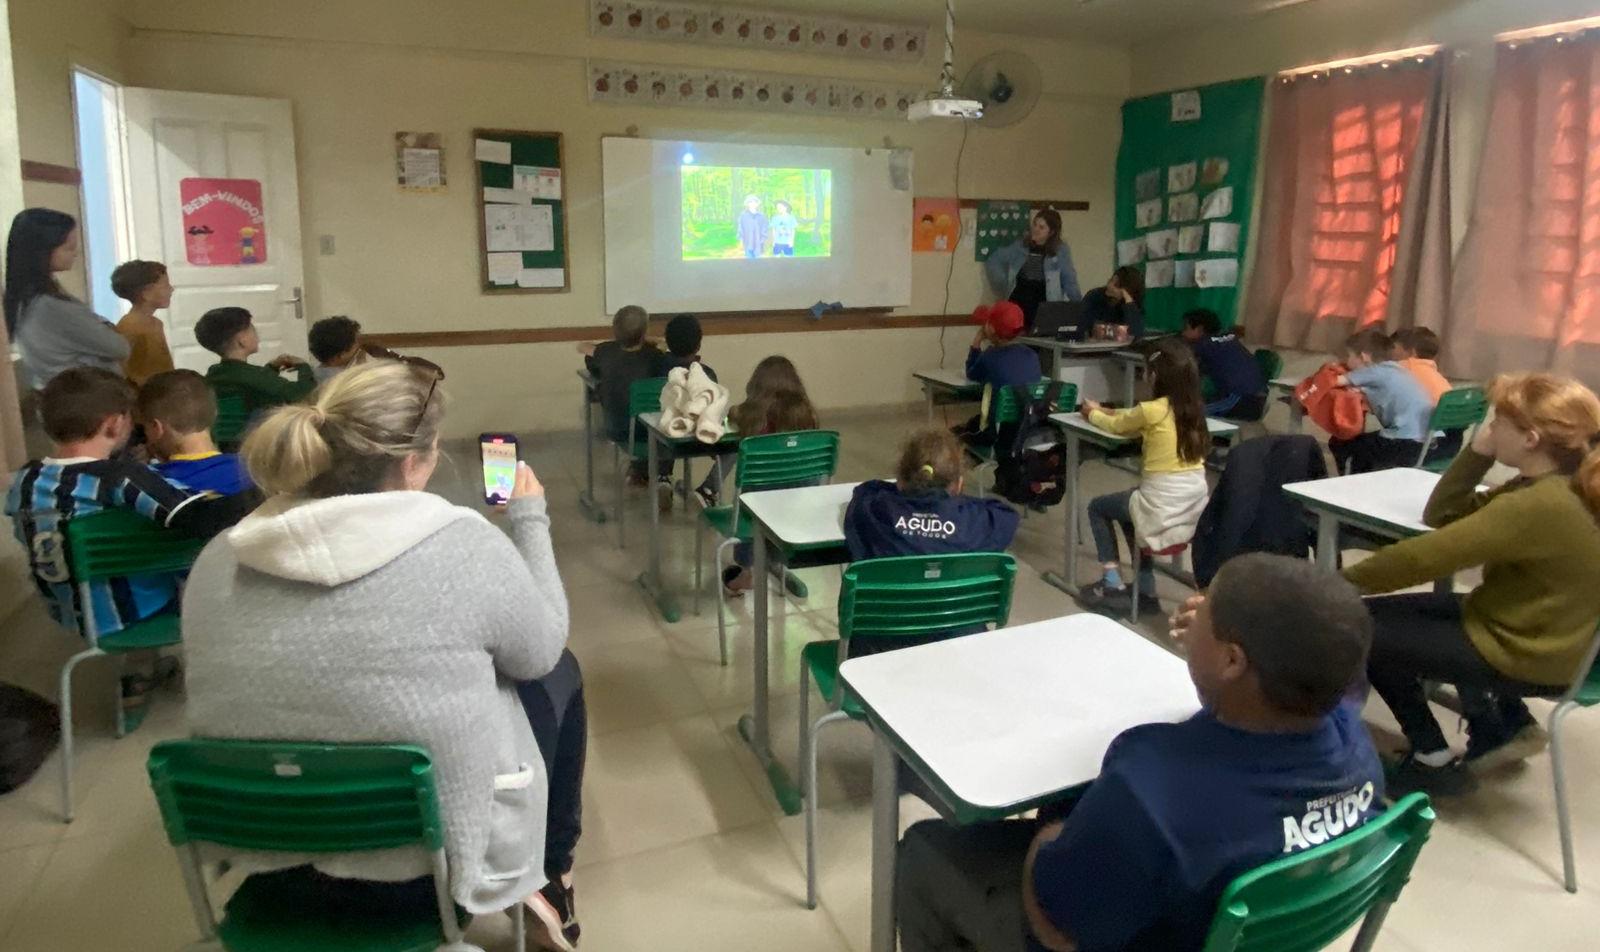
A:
325, 244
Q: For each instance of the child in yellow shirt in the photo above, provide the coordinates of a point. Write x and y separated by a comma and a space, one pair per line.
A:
144, 285
1165, 507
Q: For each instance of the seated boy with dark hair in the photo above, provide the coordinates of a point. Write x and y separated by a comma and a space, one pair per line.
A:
1276, 761
229, 333
178, 409
683, 336
88, 413
336, 343
1237, 386
617, 364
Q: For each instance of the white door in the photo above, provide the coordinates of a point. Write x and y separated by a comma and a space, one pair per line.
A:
175, 136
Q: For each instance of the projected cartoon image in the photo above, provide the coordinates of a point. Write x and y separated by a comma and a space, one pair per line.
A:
733, 212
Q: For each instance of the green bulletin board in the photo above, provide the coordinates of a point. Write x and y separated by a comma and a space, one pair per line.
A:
522, 229
1185, 182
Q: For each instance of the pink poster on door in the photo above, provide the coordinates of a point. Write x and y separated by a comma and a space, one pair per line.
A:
222, 221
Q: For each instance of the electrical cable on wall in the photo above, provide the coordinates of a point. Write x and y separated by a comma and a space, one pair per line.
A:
961, 228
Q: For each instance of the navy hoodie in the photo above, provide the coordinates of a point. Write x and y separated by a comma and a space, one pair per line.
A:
1005, 365
883, 521
1230, 365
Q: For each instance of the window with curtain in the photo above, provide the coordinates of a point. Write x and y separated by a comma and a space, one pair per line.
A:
1342, 159
1527, 284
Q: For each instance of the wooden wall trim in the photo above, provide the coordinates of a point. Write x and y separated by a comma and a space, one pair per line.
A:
1059, 204
714, 326
45, 172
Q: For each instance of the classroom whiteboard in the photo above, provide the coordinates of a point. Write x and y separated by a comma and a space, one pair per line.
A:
718, 226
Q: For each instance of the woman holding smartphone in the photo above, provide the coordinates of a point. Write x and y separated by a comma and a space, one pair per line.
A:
353, 606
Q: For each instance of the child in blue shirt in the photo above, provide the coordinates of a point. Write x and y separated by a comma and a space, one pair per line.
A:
784, 226
1397, 399
178, 410
924, 513
995, 358
88, 413
1277, 761
1237, 386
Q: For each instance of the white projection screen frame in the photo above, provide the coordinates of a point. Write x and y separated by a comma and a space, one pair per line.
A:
869, 258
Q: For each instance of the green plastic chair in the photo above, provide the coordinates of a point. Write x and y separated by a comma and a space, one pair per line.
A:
233, 417
1270, 362
644, 396
1303, 902
883, 600
1000, 407
771, 461
1458, 410
116, 543
1584, 692
305, 798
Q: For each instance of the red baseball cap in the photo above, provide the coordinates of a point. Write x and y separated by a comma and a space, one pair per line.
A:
1003, 317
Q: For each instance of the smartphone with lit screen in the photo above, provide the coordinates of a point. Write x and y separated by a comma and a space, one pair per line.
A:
499, 452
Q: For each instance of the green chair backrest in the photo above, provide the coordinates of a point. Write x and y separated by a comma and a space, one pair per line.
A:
786, 459
909, 595
117, 542
644, 396
299, 798
1301, 903
232, 418
1000, 404
1459, 409
1270, 362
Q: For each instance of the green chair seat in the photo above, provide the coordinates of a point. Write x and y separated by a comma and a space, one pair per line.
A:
157, 631
720, 519
821, 660
290, 912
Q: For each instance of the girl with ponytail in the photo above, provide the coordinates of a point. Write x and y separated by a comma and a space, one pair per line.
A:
1526, 629
353, 606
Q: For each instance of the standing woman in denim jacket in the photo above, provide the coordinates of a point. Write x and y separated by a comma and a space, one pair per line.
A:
1036, 268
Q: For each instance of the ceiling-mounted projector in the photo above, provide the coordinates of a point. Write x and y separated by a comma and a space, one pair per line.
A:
941, 107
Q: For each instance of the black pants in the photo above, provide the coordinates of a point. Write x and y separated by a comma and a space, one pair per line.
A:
1419, 638
1028, 295
555, 708
959, 888
1370, 452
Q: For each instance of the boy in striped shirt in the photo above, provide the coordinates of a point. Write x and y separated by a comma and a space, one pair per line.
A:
88, 413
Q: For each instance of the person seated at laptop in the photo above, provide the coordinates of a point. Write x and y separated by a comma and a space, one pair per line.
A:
1121, 301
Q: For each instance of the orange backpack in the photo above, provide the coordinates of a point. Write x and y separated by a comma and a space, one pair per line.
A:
1342, 411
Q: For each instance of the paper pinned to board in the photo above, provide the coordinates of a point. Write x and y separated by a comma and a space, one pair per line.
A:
1147, 214
506, 196
536, 181
1224, 237
1162, 244
1216, 273
518, 228
541, 277
504, 266
1183, 274
1218, 204
1147, 185
1158, 274
1130, 251
1186, 106
488, 150
969, 229
1180, 177
1191, 239
1185, 207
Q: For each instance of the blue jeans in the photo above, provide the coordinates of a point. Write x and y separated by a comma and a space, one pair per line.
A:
783, 251
1106, 514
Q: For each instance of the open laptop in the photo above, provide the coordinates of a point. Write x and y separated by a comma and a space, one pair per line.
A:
1061, 319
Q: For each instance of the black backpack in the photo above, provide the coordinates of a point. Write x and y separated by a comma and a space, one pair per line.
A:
29, 729
1030, 471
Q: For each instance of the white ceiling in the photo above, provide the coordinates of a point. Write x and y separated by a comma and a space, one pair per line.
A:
1117, 21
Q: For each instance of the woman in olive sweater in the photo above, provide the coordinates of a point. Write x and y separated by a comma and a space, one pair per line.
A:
1527, 628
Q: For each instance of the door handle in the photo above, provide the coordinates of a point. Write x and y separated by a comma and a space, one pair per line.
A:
299, 302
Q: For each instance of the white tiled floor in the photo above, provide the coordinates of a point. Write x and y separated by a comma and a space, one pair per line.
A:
684, 848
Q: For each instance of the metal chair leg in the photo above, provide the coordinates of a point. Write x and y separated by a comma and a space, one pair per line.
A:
1370, 926
120, 717
809, 759
519, 928
722, 625
66, 728
1558, 771
699, 563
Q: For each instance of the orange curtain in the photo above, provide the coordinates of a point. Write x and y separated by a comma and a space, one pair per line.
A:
1526, 294
1341, 172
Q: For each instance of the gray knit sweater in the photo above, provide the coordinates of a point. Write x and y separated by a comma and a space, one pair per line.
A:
54, 334
390, 617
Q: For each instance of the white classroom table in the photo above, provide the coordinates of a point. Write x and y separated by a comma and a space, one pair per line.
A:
949, 383
1387, 503
1059, 692
1282, 388
1085, 354
658, 442
591, 396
1076, 431
797, 527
